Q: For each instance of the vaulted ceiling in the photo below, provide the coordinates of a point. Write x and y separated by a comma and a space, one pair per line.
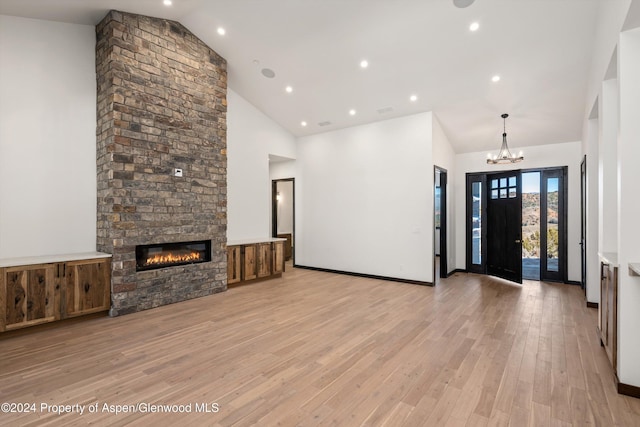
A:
541, 49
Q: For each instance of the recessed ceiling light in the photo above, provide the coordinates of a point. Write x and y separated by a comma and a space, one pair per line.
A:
268, 73
352, 112
303, 123
167, 2
463, 3
289, 89
222, 31
474, 26
413, 98
364, 63
495, 78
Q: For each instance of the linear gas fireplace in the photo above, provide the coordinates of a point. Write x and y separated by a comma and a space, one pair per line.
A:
151, 257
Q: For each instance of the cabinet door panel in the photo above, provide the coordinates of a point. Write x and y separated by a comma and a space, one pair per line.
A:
16, 297
249, 262
37, 291
30, 295
278, 257
612, 319
88, 286
264, 259
234, 264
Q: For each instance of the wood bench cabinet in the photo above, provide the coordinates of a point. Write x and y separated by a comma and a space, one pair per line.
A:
254, 259
608, 307
38, 290
288, 248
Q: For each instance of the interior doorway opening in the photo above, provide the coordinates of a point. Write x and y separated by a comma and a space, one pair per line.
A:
440, 268
283, 214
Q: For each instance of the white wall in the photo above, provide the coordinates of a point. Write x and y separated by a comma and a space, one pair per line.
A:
590, 144
364, 199
554, 155
445, 157
610, 18
608, 166
627, 174
628, 207
251, 138
282, 169
47, 138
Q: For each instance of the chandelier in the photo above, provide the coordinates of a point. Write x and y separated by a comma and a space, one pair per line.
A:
504, 156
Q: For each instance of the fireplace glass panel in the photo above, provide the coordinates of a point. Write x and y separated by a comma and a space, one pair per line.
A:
150, 257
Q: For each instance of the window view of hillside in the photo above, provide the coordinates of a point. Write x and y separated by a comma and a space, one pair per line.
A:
552, 224
531, 226
531, 215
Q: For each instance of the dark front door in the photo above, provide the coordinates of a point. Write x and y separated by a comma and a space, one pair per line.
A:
504, 226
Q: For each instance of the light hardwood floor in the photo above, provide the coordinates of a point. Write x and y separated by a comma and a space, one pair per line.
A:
317, 348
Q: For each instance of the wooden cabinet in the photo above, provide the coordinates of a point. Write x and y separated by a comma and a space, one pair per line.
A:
288, 245
278, 249
249, 265
43, 292
264, 259
86, 287
256, 260
234, 264
608, 312
30, 295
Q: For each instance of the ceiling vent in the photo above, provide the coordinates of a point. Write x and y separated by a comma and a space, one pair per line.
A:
385, 110
327, 123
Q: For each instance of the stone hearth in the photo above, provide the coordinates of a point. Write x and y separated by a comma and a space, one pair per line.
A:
161, 107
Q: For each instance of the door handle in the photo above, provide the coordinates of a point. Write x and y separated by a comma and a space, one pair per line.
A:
517, 241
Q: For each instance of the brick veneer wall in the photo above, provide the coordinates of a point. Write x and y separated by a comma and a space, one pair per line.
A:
161, 105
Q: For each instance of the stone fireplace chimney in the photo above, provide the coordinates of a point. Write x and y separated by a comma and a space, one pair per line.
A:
161, 107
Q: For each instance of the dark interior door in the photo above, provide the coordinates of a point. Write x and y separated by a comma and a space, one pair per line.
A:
443, 224
504, 226
583, 222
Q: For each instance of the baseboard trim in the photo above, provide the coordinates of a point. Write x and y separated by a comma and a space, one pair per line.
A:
457, 270
592, 304
368, 276
252, 281
628, 390
573, 282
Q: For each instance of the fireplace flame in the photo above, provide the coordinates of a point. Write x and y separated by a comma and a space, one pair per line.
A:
171, 258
